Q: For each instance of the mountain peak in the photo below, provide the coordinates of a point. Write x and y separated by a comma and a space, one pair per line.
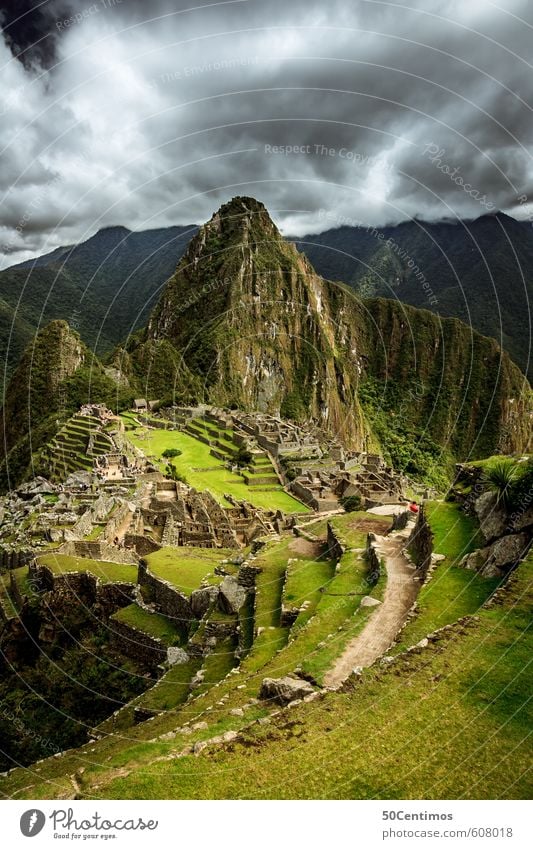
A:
240, 217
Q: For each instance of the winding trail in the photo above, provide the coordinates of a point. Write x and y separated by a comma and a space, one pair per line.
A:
387, 619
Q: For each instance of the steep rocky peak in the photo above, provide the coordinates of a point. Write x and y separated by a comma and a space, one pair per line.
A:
242, 222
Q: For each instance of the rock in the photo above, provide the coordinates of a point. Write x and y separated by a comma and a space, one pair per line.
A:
521, 519
199, 746
230, 736
491, 515
503, 554
237, 712
197, 680
202, 599
495, 560
176, 655
368, 601
475, 560
423, 643
438, 558
285, 690
200, 726
231, 595
311, 697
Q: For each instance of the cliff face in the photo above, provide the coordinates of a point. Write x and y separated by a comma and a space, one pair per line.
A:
56, 374
246, 321
436, 377
252, 325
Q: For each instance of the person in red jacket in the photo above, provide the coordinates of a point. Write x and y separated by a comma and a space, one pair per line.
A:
413, 507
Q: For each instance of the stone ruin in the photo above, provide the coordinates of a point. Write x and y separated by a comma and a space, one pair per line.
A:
279, 437
179, 515
363, 475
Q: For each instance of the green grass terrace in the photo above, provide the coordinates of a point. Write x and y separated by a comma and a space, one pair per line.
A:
187, 567
203, 471
108, 573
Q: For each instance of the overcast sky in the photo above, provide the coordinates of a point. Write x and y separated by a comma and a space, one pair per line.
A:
154, 113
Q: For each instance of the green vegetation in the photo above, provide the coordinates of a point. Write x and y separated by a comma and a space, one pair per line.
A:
151, 623
500, 478
186, 568
452, 591
365, 744
351, 503
8, 599
171, 452
205, 472
108, 573
511, 478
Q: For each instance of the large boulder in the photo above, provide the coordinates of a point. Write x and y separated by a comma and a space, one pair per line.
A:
495, 560
504, 553
521, 518
202, 599
176, 655
285, 690
231, 595
493, 519
37, 486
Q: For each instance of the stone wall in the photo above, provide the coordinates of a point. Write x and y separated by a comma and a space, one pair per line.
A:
98, 551
399, 521
143, 545
11, 558
420, 543
145, 649
373, 559
84, 588
121, 515
335, 547
168, 599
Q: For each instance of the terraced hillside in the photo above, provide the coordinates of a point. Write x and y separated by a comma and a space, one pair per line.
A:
205, 450
76, 445
193, 733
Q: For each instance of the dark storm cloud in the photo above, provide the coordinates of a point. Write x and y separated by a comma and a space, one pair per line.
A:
152, 114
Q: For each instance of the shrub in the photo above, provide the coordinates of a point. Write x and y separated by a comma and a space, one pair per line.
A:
173, 474
501, 477
244, 456
351, 503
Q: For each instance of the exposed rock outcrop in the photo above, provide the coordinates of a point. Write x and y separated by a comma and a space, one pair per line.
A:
285, 690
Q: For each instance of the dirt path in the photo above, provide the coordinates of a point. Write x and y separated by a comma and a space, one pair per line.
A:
306, 547
387, 619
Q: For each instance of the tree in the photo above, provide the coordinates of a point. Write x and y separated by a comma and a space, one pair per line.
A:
171, 452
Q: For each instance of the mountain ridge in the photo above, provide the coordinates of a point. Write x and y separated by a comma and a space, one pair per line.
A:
323, 353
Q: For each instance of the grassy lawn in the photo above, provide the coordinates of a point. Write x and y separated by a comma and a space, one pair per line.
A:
151, 623
218, 663
305, 580
454, 533
108, 573
452, 591
195, 459
173, 689
186, 567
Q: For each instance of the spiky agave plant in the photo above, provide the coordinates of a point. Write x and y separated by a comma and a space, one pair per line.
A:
500, 479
